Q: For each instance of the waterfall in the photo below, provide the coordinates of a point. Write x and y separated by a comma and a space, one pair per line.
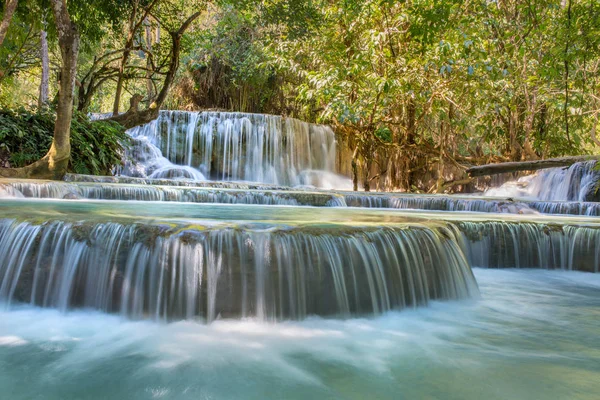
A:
107, 191
566, 207
471, 204
494, 244
77, 178
235, 146
151, 271
579, 182
143, 159
240, 193
437, 202
276, 247
266, 262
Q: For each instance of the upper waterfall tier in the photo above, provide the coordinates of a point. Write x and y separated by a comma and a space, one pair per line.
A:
579, 182
235, 146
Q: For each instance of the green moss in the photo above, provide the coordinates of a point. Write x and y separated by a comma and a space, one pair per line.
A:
82, 232
191, 236
147, 234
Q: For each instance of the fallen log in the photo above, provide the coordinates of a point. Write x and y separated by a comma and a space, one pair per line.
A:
516, 166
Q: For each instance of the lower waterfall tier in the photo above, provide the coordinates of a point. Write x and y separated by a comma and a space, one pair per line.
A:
272, 262
157, 272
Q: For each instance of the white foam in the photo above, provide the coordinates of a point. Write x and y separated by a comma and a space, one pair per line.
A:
11, 341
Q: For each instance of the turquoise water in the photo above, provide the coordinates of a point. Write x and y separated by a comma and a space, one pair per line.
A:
149, 211
533, 334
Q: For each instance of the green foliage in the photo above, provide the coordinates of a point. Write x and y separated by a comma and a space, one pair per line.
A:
227, 68
384, 134
20, 50
493, 72
289, 18
96, 147
429, 81
24, 136
96, 18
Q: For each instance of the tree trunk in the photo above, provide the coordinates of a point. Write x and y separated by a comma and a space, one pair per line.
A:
133, 28
44, 84
149, 43
119, 88
9, 9
128, 44
54, 164
528, 127
134, 117
409, 161
367, 171
354, 164
444, 133
500, 168
593, 132
543, 129
83, 102
513, 143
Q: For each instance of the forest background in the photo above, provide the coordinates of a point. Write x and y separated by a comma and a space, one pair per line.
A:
416, 90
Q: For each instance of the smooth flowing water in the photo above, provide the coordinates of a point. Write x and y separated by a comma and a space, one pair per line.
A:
268, 262
84, 187
531, 335
216, 265
579, 182
235, 147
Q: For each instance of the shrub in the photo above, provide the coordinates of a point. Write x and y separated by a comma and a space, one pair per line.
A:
96, 146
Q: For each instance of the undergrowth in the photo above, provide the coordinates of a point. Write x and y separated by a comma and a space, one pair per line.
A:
26, 136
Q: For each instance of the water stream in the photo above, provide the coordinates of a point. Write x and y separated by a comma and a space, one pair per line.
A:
83, 187
220, 263
267, 262
531, 335
235, 147
579, 182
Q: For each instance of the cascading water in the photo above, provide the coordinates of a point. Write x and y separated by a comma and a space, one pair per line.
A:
143, 159
209, 268
108, 191
579, 182
226, 273
240, 193
235, 146
437, 202
85, 261
276, 263
471, 204
494, 244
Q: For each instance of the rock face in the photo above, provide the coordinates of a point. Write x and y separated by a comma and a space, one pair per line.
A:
592, 192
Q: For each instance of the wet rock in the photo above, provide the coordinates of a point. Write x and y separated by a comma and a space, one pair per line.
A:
592, 193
